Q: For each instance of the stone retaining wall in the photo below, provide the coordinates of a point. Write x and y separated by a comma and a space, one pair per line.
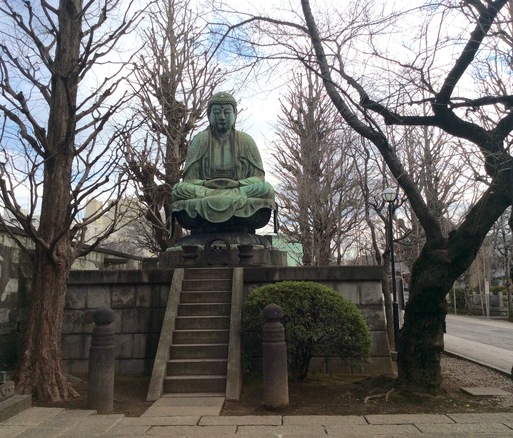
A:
15, 274
138, 299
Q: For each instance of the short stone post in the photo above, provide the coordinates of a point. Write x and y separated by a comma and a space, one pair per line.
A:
274, 359
189, 254
100, 387
245, 254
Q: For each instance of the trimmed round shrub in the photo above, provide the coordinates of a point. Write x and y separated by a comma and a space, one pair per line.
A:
318, 322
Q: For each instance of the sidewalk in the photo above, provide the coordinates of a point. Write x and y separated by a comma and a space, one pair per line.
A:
52, 422
491, 356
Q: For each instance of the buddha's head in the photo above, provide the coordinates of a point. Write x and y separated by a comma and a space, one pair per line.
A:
222, 112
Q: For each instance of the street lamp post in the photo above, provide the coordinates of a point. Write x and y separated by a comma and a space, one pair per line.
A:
390, 195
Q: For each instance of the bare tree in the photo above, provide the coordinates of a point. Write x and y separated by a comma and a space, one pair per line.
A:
442, 169
59, 147
493, 75
443, 257
317, 194
174, 76
373, 87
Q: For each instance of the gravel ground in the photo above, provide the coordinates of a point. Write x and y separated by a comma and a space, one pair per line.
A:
463, 373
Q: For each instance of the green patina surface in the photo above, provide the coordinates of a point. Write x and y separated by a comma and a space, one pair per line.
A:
223, 175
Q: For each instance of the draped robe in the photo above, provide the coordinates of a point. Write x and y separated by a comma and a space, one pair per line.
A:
235, 157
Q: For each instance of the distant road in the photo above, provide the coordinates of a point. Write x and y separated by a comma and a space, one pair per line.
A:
486, 341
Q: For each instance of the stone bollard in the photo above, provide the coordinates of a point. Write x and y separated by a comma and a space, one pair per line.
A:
274, 359
100, 388
245, 254
189, 254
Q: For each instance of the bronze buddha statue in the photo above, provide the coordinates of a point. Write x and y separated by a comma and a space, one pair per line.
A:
223, 187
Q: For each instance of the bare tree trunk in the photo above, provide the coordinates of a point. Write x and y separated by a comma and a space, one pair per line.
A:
419, 361
421, 340
439, 264
40, 369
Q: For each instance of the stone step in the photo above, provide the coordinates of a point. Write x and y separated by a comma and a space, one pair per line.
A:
203, 323
193, 367
201, 336
206, 297
13, 405
204, 309
224, 285
205, 273
198, 351
195, 384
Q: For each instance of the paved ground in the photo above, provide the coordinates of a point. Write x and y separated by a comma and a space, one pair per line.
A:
50, 422
485, 341
489, 331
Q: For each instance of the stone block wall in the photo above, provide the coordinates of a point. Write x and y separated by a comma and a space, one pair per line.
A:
139, 297
15, 274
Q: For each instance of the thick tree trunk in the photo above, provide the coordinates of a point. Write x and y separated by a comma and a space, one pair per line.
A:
39, 369
419, 359
421, 341
441, 261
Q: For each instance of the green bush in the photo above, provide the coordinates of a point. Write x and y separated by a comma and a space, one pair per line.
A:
318, 321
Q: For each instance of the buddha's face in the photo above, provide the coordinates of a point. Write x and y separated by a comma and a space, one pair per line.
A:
222, 118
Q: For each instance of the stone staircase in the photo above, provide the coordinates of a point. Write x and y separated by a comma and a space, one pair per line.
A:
198, 354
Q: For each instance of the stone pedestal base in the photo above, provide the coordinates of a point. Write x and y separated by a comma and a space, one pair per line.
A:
222, 249
234, 239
